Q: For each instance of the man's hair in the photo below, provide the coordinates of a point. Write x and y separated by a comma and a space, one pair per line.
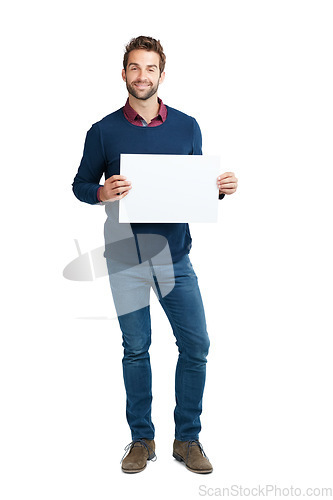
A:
145, 43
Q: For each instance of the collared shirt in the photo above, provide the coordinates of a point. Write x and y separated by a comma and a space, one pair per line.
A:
133, 117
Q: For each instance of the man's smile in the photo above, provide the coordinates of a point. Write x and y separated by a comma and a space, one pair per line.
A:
139, 85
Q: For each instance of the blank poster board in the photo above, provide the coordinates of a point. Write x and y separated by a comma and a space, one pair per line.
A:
170, 188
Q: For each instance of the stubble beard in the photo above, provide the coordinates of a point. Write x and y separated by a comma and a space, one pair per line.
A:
142, 97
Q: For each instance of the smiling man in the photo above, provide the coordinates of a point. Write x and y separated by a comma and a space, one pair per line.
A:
145, 125
138, 86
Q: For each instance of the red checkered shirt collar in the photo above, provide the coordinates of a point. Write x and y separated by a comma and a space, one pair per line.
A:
133, 117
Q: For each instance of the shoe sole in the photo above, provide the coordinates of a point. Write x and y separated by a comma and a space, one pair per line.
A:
180, 459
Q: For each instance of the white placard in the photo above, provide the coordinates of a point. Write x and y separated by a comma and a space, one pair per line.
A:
170, 188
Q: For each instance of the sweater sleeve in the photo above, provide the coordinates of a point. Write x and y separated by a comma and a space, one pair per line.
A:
92, 166
197, 145
197, 139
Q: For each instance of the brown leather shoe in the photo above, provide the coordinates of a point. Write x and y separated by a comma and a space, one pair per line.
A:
192, 454
140, 450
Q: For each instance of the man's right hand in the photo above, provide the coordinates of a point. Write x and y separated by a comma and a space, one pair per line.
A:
115, 188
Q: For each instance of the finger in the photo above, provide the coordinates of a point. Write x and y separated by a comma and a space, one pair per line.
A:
121, 177
227, 180
116, 178
228, 191
227, 185
121, 189
117, 184
225, 175
123, 195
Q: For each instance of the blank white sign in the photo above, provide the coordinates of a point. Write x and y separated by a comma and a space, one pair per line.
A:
170, 188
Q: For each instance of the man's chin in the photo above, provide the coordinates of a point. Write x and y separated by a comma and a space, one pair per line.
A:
142, 96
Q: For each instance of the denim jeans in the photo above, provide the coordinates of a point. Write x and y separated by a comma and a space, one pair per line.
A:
184, 309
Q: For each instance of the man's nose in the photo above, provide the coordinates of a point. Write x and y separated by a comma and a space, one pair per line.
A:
142, 75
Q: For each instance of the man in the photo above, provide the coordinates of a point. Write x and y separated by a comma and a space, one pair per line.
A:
145, 125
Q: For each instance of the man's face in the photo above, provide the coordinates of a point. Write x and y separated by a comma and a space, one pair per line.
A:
142, 74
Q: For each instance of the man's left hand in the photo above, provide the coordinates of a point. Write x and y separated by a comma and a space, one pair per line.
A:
227, 183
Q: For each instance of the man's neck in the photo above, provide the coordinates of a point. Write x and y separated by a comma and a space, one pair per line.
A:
148, 109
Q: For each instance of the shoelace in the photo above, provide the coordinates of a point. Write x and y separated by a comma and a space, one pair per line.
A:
194, 442
151, 454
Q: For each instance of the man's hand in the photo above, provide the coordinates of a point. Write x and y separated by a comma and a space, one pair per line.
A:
227, 183
115, 188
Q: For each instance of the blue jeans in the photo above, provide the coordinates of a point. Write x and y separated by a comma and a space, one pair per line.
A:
184, 309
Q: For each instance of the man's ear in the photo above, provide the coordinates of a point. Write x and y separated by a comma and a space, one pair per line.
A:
162, 77
123, 74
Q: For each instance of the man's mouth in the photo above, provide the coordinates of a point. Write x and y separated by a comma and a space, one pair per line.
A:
141, 85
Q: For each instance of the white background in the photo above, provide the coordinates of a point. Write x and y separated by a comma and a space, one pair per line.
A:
257, 75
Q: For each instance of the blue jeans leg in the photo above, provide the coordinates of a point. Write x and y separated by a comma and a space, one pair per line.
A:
130, 288
184, 309
136, 330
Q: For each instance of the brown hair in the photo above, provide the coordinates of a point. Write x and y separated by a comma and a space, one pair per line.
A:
145, 43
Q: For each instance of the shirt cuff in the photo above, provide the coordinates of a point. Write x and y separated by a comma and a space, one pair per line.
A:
98, 191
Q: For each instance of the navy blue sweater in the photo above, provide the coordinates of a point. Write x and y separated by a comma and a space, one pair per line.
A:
179, 134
